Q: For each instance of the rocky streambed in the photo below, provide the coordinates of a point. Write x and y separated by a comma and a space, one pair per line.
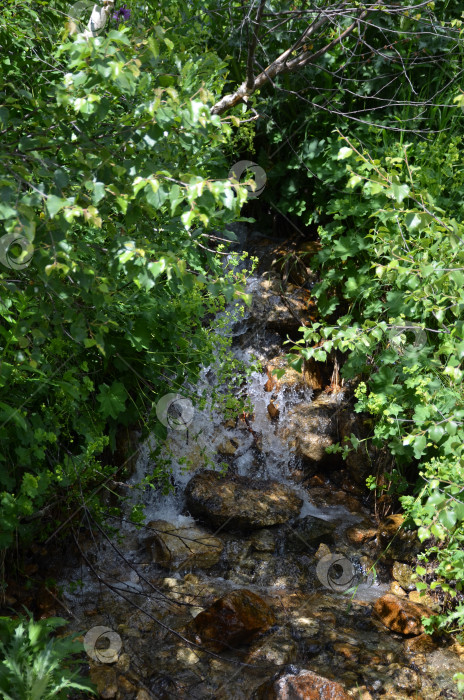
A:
273, 579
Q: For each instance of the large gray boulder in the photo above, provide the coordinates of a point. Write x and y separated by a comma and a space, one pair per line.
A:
238, 502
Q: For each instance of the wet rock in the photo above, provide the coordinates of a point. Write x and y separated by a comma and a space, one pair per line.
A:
422, 598
305, 627
358, 534
312, 427
123, 663
401, 615
293, 261
125, 687
143, 695
404, 684
277, 649
363, 692
287, 307
313, 375
396, 589
458, 649
358, 461
403, 574
322, 551
422, 644
302, 685
263, 541
397, 543
187, 545
46, 603
324, 497
273, 410
127, 448
105, 679
240, 502
228, 447
232, 620
275, 307
308, 532
348, 651
317, 481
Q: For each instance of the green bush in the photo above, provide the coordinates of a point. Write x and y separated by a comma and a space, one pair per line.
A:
110, 312
391, 299
34, 665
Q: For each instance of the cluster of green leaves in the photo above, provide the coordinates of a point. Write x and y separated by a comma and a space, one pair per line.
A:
36, 665
438, 512
113, 170
392, 277
391, 292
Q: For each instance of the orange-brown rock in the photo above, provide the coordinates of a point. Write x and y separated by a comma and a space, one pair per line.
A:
314, 375
317, 481
232, 620
398, 544
358, 534
397, 590
104, 678
273, 410
305, 685
270, 384
349, 651
400, 614
424, 643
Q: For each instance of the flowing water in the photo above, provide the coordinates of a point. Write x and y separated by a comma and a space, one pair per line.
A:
332, 633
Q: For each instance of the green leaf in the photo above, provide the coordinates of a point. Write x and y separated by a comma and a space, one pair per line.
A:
399, 192
344, 152
12, 413
55, 204
156, 268
156, 199
423, 534
419, 446
112, 399
448, 518
436, 432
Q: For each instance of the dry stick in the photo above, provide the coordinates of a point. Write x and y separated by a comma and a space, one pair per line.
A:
63, 605
252, 47
118, 551
193, 597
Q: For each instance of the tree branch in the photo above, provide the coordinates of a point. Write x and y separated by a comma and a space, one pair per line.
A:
252, 47
282, 64
98, 18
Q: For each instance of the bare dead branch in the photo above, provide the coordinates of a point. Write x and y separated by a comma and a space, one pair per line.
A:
252, 46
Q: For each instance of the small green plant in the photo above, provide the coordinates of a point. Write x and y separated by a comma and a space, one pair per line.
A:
36, 666
391, 304
438, 512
